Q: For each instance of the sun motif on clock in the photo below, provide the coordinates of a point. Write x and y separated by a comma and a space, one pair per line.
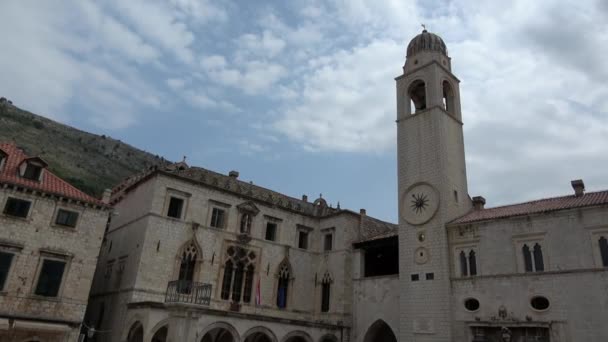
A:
419, 202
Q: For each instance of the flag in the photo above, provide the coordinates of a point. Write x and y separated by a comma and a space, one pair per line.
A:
258, 295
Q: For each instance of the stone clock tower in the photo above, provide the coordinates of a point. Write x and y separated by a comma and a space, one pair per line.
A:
432, 186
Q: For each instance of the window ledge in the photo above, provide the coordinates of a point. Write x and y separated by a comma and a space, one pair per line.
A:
45, 298
60, 226
18, 218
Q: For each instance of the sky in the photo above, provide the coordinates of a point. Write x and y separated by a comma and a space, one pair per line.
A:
299, 96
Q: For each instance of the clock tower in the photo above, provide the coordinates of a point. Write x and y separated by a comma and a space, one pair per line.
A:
432, 186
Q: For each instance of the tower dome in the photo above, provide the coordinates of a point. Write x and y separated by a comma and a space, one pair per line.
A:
426, 41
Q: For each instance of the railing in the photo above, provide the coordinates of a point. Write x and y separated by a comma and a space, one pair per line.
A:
183, 291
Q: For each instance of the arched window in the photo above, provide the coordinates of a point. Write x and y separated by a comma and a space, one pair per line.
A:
238, 274
186, 269
238, 282
283, 284
527, 258
417, 95
448, 97
227, 282
604, 250
539, 265
472, 263
246, 223
463, 264
325, 292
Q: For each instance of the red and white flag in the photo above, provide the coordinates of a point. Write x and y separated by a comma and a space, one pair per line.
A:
258, 295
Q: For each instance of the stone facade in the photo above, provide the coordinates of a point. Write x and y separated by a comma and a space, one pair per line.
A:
144, 247
28, 310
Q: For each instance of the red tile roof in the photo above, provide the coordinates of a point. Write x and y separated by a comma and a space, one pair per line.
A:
535, 207
50, 183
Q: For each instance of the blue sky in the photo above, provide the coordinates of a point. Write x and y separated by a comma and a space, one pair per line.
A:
299, 96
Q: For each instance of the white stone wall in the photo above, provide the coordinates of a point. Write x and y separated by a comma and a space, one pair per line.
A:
574, 280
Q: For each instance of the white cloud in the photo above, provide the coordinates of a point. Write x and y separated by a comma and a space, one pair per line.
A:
266, 44
252, 78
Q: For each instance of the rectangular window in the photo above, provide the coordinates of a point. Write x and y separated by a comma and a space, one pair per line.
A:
217, 218
175, 207
17, 207
32, 172
5, 265
66, 218
49, 280
328, 242
415, 277
430, 276
271, 231
303, 240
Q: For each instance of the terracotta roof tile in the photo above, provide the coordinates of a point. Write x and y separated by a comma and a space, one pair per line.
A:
535, 207
50, 183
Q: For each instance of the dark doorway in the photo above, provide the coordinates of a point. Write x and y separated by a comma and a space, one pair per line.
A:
160, 335
218, 335
379, 332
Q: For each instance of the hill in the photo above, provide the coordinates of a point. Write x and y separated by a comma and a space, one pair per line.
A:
88, 161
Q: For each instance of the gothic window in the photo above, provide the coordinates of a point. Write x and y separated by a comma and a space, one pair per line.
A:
472, 263
538, 258
283, 284
527, 258
186, 268
238, 282
325, 292
2, 159
246, 223
227, 282
49, 279
448, 97
604, 250
417, 95
248, 284
6, 259
463, 264
533, 259
17, 207
175, 207
218, 218
239, 271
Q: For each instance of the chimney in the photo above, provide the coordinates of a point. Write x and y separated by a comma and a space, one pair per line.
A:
362, 212
233, 174
579, 187
478, 202
105, 198
305, 198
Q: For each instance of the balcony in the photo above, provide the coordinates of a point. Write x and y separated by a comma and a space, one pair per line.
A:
190, 292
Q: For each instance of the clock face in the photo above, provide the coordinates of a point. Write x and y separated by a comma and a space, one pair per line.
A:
419, 203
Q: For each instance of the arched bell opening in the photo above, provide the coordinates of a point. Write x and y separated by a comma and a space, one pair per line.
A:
448, 98
417, 96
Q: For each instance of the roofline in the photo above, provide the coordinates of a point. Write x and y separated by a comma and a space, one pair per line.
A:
96, 203
372, 241
538, 213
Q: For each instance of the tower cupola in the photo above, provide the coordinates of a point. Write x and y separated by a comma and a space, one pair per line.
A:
426, 42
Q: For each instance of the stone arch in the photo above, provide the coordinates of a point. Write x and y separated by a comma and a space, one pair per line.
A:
379, 331
297, 336
448, 97
227, 327
135, 332
156, 330
328, 338
259, 330
417, 97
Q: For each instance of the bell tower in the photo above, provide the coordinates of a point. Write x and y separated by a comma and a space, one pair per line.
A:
432, 186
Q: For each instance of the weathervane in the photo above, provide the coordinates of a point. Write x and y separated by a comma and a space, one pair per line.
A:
423, 27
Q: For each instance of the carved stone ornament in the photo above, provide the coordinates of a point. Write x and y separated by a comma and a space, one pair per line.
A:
248, 207
243, 238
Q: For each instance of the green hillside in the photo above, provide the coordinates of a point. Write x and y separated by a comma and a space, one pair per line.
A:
88, 161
